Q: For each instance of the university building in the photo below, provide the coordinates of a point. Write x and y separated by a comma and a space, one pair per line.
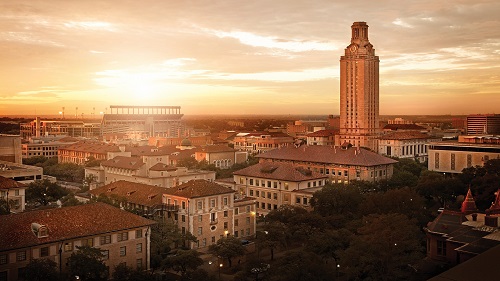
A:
341, 164
14, 193
468, 151
405, 144
359, 91
56, 233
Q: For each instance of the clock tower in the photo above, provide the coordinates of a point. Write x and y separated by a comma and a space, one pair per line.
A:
359, 91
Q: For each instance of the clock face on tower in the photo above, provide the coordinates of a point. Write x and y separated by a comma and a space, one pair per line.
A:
353, 48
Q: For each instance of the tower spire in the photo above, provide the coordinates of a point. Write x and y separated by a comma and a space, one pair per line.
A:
469, 205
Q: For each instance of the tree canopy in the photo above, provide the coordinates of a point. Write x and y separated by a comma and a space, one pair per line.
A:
87, 263
227, 248
44, 191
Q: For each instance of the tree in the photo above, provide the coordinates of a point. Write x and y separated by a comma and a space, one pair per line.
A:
329, 243
273, 236
92, 162
188, 162
87, 263
44, 191
437, 186
227, 248
4, 207
384, 248
41, 270
183, 261
301, 266
123, 272
336, 199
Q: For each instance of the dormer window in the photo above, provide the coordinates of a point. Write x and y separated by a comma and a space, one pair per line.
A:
39, 230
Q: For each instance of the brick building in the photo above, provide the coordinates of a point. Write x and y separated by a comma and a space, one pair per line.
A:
322, 137
275, 184
80, 152
210, 211
14, 193
405, 144
55, 234
10, 148
341, 164
258, 142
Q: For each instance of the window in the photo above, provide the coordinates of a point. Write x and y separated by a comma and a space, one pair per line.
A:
263, 205
225, 225
213, 217
247, 220
204, 243
138, 248
469, 160
122, 236
257, 193
200, 230
225, 201
268, 183
248, 209
138, 263
248, 231
436, 160
105, 239
269, 195
275, 196
297, 200
138, 233
236, 210
236, 222
452, 164
251, 192
4, 259
257, 182
213, 239
345, 173
123, 251
286, 186
275, 184
105, 254
225, 214
441, 248
200, 218
183, 217
263, 194
88, 242
304, 201
212, 203
68, 246
44, 252
21, 256
268, 206
251, 181
236, 234
183, 204
199, 205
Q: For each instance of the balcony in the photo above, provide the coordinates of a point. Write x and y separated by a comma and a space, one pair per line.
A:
212, 222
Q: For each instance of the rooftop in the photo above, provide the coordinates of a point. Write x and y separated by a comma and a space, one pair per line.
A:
408, 135
136, 193
6, 183
131, 163
198, 188
328, 155
279, 171
65, 224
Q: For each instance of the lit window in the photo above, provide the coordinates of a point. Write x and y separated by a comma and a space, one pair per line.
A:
105, 239
21, 256
122, 236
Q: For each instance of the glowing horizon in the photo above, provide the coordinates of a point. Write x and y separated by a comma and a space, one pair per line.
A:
237, 57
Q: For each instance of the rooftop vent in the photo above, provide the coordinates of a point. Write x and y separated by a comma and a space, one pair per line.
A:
39, 230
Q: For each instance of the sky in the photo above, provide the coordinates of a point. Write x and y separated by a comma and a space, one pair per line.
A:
244, 57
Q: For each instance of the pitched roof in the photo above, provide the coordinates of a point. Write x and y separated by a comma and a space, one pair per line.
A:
162, 167
279, 171
6, 183
92, 147
328, 155
198, 188
136, 193
132, 163
323, 133
65, 224
404, 136
395, 127
215, 148
447, 222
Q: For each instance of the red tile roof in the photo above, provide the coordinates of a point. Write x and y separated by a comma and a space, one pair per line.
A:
136, 193
328, 155
65, 223
6, 183
395, 127
405, 136
198, 188
162, 167
279, 171
132, 163
92, 147
323, 133
215, 148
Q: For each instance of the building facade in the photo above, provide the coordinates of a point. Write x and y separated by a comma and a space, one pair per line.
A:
258, 142
322, 137
80, 152
211, 211
341, 164
276, 184
468, 151
14, 193
483, 124
405, 145
43, 127
46, 147
10, 148
56, 233
359, 91
222, 156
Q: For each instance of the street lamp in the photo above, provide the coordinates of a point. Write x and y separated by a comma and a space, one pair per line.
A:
220, 266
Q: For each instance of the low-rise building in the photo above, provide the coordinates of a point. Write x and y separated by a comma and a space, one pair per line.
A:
47, 147
341, 164
81, 152
73, 127
210, 211
258, 142
10, 148
468, 151
56, 233
322, 137
14, 193
406, 144
275, 184
222, 156
20, 172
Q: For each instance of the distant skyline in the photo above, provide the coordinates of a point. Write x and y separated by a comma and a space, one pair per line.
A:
244, 57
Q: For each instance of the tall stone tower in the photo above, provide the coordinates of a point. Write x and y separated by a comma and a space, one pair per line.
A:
359, 91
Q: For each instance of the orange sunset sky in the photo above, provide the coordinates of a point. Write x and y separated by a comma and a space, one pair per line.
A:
244, 57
